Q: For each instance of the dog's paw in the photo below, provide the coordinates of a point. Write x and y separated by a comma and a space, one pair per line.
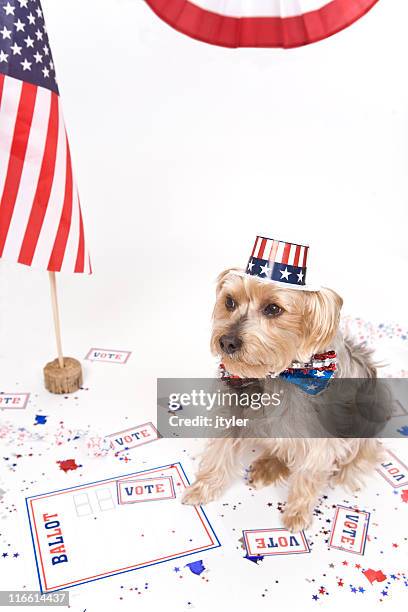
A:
257, 475
265, 471
199, 493
296, 520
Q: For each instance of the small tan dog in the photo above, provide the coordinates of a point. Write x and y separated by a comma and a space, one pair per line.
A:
261, 328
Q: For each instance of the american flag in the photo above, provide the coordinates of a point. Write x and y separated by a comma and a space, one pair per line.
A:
40, 215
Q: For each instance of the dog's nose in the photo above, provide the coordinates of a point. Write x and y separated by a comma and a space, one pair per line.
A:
230, 344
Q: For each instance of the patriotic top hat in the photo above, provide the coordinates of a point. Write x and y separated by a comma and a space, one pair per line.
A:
283, 263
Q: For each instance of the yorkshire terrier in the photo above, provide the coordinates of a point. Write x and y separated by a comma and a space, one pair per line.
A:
261, 328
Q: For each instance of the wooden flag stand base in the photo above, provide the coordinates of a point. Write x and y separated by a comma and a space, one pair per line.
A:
64, 374
67, 379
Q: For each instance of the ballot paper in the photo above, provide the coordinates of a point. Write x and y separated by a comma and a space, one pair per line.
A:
86, 533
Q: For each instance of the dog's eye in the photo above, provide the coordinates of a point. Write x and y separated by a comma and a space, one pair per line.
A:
230, 303
272, 310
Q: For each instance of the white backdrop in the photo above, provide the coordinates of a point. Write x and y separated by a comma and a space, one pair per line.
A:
184, 151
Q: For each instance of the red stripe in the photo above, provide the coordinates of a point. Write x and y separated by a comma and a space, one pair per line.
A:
79, 264
16, 160
58, 251
253, 250
42, 194
226, 31
262, 248
297, 254
305, 251
286, 251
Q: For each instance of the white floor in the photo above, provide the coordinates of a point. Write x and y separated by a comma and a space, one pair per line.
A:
108, 403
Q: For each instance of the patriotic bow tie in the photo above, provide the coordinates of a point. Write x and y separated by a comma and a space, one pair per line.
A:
312, 377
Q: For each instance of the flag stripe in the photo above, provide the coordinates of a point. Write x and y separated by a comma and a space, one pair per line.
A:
267, 248
292, 253
17, 156
53, 213
301, 256
279, 252
253, 250
305, 250
79, 264
297, 255
44, 185
11, 92
262, 248
71, 247
58, 251
286, 251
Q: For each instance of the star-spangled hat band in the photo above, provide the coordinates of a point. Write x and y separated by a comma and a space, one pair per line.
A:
280, 262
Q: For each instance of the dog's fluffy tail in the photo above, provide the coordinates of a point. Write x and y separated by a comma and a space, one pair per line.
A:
362, 363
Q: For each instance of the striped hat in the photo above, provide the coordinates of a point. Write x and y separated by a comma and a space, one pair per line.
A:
284, 263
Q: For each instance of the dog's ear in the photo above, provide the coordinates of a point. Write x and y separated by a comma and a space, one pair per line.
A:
221, 278
321, 318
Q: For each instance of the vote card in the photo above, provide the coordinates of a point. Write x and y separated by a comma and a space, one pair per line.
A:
132, 437
108, 355
13, 401
276, 541
349, 530
145, 490
393, 471
83, 533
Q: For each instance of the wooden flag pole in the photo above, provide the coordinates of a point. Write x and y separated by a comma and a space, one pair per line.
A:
64, 374
55, 312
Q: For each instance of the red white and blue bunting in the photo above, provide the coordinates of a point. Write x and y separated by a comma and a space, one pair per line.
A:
260, 23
